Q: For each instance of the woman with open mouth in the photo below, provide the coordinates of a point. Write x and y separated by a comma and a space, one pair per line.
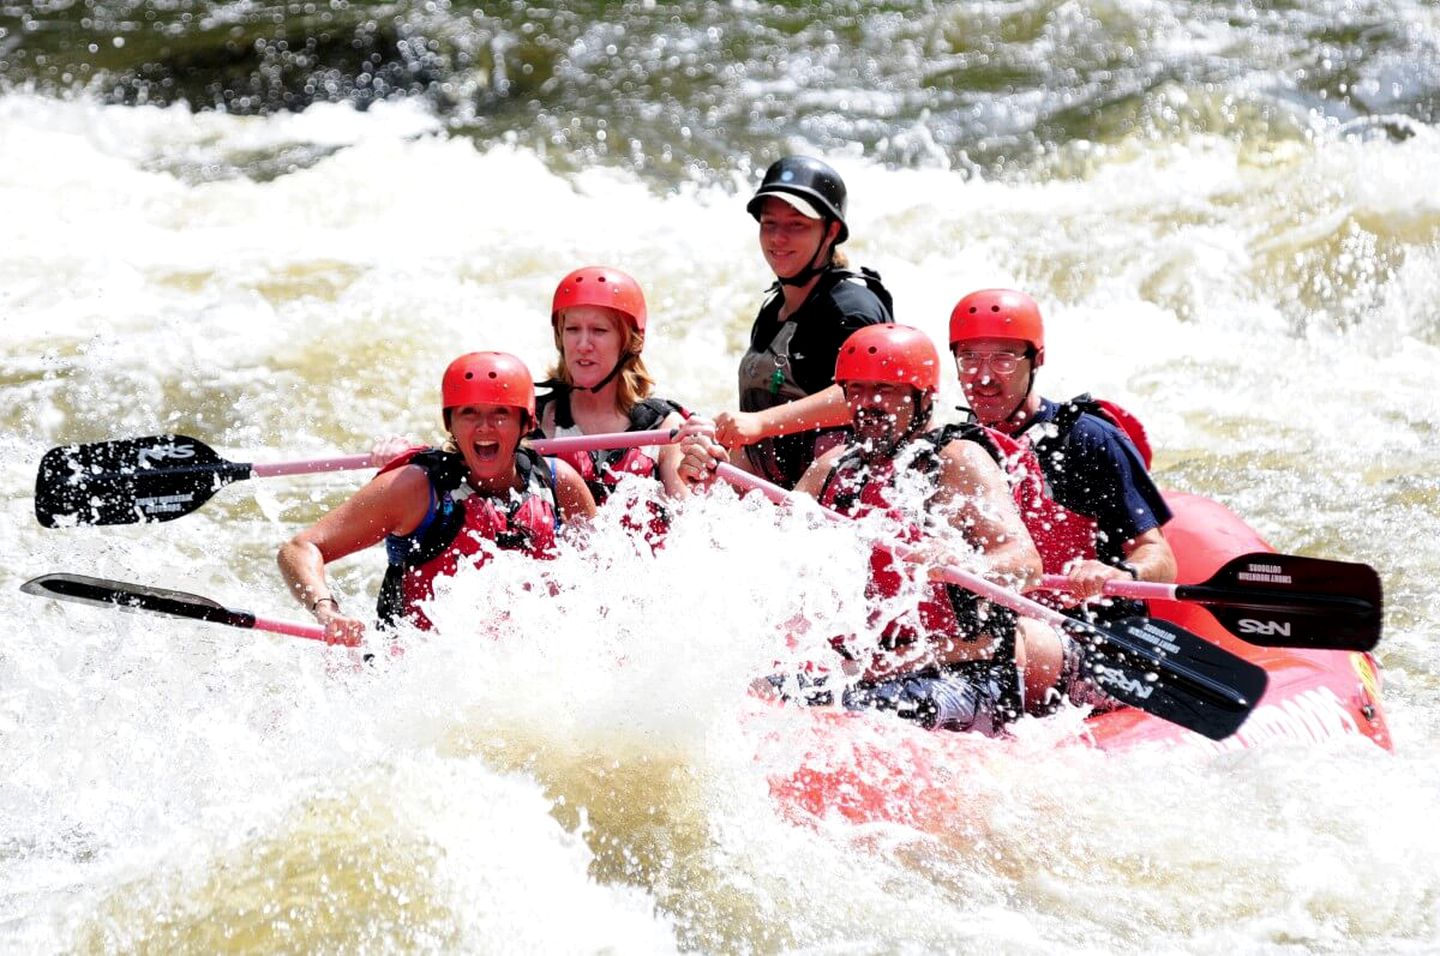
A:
438, 507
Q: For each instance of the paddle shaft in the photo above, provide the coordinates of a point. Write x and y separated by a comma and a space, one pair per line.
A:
164, 477
1205, 594
545, 446
1015, 602
313, 632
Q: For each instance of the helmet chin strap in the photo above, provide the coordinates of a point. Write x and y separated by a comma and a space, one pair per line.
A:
624, 360
559, 386
811, 270
924, 403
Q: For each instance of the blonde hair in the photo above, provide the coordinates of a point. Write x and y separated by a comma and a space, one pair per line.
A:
632, 383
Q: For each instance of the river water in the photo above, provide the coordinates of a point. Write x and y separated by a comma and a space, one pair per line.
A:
270, 226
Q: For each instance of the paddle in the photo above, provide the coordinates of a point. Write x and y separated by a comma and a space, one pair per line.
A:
1278, 600
1154, 665
139, 597
164, 477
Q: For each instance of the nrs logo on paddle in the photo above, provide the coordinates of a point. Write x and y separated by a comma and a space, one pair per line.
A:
1116, 679
158, 453
1247, 625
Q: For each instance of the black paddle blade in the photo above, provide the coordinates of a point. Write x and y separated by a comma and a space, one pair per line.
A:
134, 597
1167, 671
132, 480
1285, 600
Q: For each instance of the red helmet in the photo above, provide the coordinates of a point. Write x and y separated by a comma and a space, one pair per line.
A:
488, 378
998, 314
602, 286
896, 354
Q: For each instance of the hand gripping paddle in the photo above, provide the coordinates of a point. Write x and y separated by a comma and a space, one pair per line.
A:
1278, 600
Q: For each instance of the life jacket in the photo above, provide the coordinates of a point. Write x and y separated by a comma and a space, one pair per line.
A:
463, 524
767, 377
1061, 535
856, 488
601, 469
1070, 534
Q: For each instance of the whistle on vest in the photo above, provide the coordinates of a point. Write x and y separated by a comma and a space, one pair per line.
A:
777, 378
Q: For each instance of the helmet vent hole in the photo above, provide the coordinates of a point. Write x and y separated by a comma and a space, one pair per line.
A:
469, 376
494, 375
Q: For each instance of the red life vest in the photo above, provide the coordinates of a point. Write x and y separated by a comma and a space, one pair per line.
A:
464, 525
601, 469
1062, 536
857, 489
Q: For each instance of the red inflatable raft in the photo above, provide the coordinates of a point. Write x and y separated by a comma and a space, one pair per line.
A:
867, 767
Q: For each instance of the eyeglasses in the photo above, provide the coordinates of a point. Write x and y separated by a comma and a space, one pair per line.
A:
1001, 363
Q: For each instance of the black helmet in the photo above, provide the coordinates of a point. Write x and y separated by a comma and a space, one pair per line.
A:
812, 182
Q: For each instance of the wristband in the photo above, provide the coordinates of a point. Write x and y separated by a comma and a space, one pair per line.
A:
1127, 566
318, 601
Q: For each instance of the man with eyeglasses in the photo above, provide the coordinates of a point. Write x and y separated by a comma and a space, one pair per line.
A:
1085, 494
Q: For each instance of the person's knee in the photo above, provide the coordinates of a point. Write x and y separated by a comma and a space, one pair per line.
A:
1043, 661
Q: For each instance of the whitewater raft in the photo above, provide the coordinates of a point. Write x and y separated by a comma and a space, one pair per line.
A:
869, 768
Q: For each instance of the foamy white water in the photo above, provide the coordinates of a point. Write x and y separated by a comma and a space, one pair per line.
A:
577, 774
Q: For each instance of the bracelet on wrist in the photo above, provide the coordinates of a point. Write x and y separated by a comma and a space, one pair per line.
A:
319, 601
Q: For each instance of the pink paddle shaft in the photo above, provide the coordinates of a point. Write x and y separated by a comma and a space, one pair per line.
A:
313, 632
950, 573
545, 446
1140, 590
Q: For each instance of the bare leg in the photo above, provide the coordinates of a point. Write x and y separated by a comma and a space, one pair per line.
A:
1041, 657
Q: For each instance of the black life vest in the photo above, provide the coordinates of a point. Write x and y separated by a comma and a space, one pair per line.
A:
767, 379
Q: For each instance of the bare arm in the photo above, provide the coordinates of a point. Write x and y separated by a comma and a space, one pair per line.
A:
976, 496
393, 503
571, 494
698, 452
813, 481
825, 409
1150, 555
